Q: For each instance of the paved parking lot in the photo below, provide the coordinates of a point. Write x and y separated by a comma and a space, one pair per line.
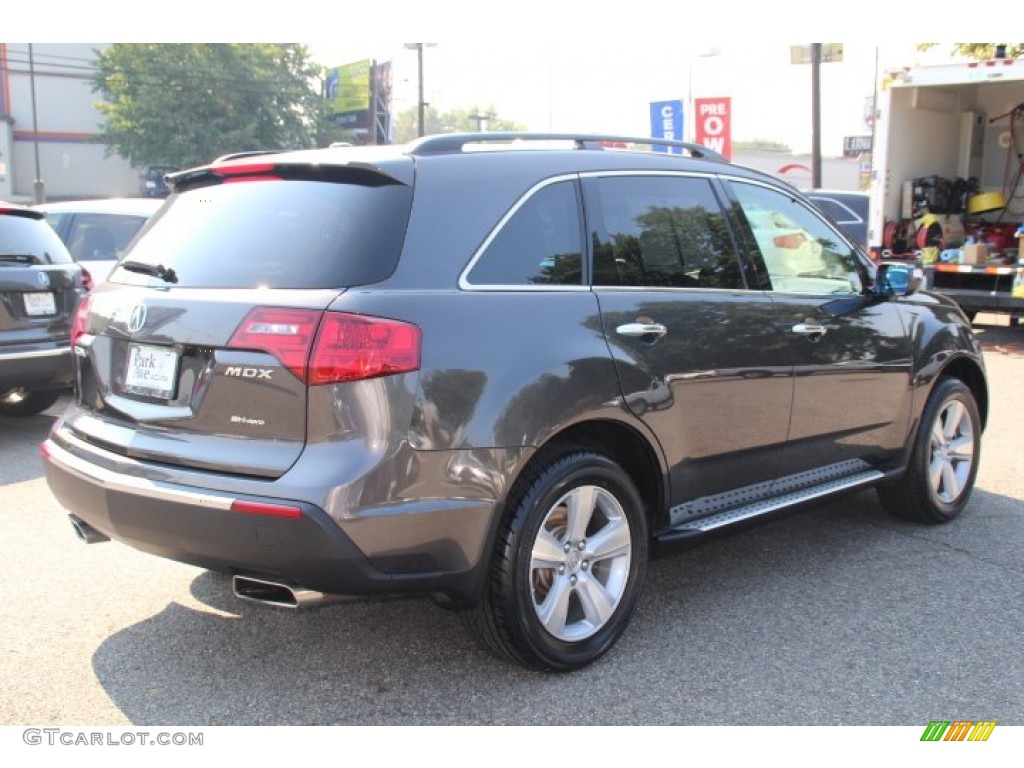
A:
833, 616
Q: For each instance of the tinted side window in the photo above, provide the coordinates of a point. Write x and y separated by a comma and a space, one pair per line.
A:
835, 209
655, 231
540, 245
801, 252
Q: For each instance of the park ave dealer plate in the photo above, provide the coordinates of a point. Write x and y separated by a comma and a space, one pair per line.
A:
37, 304
152, 371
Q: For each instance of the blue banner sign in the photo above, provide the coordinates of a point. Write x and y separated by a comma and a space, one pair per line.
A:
667, 123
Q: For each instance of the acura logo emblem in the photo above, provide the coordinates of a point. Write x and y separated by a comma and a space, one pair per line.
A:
137, 319
43, 279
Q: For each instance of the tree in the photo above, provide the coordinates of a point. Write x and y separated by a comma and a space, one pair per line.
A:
981, 51
457, 121
185, 104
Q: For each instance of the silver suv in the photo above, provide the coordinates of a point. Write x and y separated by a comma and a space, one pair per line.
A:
504, 370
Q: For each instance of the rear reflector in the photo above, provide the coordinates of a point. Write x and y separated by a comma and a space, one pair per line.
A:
270, 510
330, 347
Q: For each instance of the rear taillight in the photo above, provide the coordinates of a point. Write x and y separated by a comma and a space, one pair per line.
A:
338, 347
80, 319
352, 347
287, 334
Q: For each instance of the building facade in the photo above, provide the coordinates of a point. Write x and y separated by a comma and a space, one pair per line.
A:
57, 141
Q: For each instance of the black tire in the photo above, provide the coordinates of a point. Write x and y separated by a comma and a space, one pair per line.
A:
25, 402
599, 577
944, 461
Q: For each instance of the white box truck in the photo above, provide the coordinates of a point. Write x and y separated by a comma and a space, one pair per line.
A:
946, 179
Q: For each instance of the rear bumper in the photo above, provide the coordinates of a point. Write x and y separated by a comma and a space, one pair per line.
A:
198, 526
36, 368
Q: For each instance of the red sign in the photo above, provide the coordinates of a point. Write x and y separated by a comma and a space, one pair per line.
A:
714, 124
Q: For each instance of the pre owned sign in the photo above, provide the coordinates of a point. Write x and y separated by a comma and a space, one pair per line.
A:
714, 124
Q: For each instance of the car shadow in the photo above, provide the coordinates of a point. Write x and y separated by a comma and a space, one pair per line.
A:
19, 443
997, 337
818, 611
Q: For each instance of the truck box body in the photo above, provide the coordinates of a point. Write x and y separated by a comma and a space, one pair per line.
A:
944, 135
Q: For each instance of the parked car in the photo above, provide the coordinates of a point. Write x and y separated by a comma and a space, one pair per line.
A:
39, 286
848, 209
97, 232
151, 181
504, 378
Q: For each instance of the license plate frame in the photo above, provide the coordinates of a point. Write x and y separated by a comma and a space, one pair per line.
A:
151, 371
40, 303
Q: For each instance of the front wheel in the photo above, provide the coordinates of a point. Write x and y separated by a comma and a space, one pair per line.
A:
567, 568
944, 461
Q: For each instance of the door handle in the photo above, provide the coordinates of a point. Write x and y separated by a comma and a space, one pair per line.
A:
810, 329
642, 329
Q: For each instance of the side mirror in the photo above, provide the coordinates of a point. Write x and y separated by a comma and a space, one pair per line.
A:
897, 279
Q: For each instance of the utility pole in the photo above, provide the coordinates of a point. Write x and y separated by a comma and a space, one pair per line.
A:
816, 115
38, 188
421, 104
481, 118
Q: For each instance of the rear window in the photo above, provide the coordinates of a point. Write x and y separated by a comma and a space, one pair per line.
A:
275, 234
22, 237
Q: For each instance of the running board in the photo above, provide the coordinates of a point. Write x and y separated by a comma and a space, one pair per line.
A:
738, 514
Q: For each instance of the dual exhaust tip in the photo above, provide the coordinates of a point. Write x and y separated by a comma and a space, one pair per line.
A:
245, 587
86, 532
280, 595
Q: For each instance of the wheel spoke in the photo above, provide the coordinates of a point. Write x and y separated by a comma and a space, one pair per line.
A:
954, 417
611, 541
950, 482
598, 605
962, 449
935, 471
547, 551
581, 504
938, 438
554, 611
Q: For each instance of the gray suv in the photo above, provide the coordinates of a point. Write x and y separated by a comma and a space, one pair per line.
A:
501, 369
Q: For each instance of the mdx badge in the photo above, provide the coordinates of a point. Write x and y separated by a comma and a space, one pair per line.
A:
137, 318
239, 372
43, 279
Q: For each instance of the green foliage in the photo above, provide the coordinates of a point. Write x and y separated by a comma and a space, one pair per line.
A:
980, 51
406, 124
185, 104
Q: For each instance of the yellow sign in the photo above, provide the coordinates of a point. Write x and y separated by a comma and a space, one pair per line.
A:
348, 87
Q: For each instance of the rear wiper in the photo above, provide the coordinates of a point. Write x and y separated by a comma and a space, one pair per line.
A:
21, 258
156, 270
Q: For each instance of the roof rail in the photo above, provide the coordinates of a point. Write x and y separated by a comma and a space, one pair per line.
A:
446, 143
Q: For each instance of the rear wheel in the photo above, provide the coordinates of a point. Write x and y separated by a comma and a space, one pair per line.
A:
26, 402
567, 568
944, 462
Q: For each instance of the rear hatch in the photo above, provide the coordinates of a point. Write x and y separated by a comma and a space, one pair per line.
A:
196, 352
39, 283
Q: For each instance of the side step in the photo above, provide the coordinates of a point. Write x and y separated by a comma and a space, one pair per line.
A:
758, 508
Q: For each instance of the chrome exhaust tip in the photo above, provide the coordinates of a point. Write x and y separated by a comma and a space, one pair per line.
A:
86, 532
279, 595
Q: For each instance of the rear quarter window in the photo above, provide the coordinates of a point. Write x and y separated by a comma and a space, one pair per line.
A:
275, 234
